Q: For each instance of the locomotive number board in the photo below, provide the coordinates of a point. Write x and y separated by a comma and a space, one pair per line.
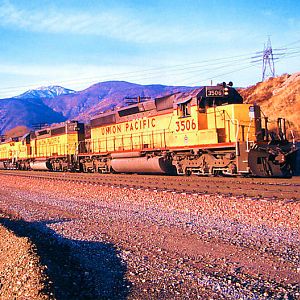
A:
214, 91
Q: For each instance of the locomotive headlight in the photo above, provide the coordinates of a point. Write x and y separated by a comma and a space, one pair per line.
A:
226, 91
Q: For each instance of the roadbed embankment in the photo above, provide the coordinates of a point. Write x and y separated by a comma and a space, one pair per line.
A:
21, 274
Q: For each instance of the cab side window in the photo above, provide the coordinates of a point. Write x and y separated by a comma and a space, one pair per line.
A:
184, 109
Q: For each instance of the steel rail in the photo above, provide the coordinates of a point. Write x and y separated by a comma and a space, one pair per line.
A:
256, 188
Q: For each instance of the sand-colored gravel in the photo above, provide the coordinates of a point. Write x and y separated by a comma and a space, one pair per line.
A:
106, 242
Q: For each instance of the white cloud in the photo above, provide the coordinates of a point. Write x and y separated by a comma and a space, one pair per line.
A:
124, 26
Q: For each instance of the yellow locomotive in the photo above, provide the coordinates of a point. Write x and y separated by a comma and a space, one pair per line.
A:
208, 131
56, 147
50, 148
13, 151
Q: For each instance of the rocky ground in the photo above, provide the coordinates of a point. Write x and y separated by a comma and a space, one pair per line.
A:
21, 274
104, 242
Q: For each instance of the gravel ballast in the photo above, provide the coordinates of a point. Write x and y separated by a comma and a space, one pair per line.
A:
21, 274
105, 242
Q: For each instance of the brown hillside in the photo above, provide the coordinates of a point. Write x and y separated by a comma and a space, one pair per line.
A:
278, 97
17, 131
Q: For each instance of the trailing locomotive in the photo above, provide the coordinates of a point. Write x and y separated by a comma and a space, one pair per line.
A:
209, 131
53, 148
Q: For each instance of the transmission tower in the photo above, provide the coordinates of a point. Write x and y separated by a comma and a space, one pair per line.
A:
267, 56
268, 60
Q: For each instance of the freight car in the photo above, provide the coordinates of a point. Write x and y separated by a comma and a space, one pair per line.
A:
208, 131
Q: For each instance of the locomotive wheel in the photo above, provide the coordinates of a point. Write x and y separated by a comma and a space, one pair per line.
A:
188, 172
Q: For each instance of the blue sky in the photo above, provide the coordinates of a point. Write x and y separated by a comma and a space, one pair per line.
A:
77, 43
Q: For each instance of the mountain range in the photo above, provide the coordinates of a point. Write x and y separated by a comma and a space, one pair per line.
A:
55, 104
278, 97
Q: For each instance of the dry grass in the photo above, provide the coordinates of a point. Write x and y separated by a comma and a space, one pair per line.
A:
278, 97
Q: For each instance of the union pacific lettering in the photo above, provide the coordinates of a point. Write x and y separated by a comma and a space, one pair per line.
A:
49, 141
131, 126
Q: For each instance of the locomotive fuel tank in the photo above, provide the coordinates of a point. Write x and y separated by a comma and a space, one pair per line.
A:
133, 164
40, 165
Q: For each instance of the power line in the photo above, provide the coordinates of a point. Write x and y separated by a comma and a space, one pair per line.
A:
199, 72
230, 72
292, 43
198, 67
174, 68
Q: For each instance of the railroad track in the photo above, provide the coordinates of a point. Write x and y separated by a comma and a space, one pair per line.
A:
267, 189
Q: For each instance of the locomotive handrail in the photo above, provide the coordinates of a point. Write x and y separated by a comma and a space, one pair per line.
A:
293, 138
247, 136
236, 135
136, 141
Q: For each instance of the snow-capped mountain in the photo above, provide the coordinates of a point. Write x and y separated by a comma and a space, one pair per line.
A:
51, 91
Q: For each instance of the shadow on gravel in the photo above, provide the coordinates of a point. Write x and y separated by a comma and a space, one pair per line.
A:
76, 269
